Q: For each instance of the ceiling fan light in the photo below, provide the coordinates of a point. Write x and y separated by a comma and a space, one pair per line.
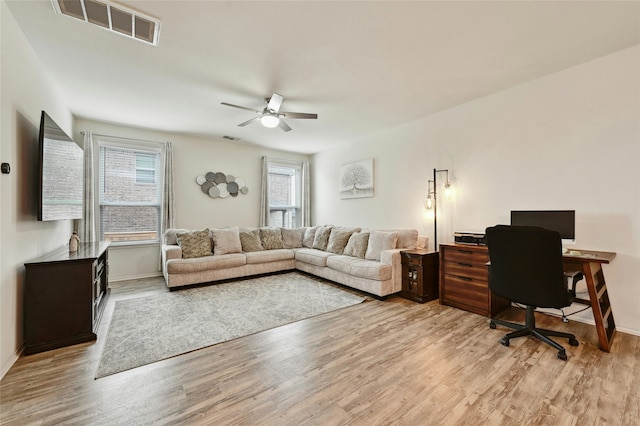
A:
270, 121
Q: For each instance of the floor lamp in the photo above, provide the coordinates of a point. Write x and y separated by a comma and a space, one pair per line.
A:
431, 202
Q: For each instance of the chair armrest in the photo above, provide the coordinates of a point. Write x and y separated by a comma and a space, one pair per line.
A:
169, 252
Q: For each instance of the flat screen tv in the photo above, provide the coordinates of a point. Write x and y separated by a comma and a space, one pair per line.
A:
563, 221
61, 169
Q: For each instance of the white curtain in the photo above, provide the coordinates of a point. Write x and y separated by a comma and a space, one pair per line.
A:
264, 193
168, 212
87, 230
306, 198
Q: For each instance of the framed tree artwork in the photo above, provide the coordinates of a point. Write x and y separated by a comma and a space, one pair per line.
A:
356, 179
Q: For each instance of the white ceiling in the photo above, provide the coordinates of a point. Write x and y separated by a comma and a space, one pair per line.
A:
361, 66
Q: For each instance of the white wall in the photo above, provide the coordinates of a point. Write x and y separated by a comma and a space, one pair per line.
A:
193, 156
25, 92
570, 140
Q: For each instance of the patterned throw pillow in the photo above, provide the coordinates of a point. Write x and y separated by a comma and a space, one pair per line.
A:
194, 243
271, 238
309, 235
357, 245
251, 240
379, 241
338, 238
292, 238
226, 241
321, 238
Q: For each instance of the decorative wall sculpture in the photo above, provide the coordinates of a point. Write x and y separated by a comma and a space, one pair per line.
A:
219, 185
356, 179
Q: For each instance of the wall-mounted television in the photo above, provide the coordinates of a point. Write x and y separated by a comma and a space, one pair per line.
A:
563, 221
61, 169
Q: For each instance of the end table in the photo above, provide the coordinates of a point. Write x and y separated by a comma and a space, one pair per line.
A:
419, 275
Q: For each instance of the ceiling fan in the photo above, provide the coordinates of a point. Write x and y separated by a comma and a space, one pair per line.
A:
271, 116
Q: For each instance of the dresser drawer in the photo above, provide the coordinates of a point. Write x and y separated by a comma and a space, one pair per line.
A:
409, 259
466, 293
467, 270
461, 255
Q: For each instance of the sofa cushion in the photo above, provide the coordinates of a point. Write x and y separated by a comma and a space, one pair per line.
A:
407, 238
313, 256
292, 238
226, 241
271, 238
269, 256
250, 240
368, 269
207, 263
194, 243
309, 235
357, 245
321, 238
379, 241
170, 235
338, 238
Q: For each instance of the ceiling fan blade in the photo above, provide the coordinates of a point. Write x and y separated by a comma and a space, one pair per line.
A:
298, 115
284, 126
241, 107
246, 123
274, 102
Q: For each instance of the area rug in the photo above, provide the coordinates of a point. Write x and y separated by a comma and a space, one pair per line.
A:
150, 329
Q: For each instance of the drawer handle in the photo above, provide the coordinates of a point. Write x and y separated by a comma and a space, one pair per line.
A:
467, 265
465, 251
465, 278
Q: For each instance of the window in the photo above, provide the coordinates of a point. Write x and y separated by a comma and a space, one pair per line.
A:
129, 191
284, 194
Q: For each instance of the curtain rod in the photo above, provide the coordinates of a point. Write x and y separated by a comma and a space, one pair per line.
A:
121, 137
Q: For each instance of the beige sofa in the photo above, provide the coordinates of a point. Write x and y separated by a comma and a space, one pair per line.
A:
331, 252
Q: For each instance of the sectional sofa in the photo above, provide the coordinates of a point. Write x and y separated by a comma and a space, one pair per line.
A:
367, 260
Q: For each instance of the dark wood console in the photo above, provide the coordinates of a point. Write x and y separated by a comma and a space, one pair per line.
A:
64, 296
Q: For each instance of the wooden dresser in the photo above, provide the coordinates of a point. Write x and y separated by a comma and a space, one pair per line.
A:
464, 280
64, 297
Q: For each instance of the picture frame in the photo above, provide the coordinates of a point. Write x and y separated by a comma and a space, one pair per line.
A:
356, 179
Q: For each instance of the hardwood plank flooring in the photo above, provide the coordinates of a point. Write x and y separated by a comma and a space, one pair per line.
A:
392, 362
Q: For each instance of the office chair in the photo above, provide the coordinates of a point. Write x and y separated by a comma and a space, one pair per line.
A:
526, 268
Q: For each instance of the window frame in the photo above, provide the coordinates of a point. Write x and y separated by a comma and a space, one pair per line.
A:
136, 146
296, 207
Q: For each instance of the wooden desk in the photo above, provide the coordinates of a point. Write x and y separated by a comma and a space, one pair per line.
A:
590, 264
461, 294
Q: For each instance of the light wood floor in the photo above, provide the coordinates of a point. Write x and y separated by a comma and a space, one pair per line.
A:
381, 362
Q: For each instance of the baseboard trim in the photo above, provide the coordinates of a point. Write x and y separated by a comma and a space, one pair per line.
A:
6, 366
135, 277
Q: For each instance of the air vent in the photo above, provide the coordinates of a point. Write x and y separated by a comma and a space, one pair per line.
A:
113, 17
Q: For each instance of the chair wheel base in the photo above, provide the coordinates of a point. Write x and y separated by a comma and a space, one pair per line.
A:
562, 355
504, 341
573, 342
492, 325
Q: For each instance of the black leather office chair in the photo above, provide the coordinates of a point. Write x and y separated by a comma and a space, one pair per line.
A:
526, 268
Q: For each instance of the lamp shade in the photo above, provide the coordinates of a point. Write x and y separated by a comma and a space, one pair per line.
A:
269, 120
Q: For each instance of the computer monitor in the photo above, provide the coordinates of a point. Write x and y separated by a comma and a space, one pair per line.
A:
563, 221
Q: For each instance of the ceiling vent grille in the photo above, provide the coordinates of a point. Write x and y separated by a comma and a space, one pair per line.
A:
113, 17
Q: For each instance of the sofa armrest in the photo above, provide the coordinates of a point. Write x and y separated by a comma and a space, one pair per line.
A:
392, 257
169, 251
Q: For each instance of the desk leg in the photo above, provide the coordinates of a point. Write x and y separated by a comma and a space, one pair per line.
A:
599, 298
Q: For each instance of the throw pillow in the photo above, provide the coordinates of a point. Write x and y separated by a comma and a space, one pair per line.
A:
194, 243
271, 238
321, 239
338, 239
170, 236
226, 241
250, 240
292, 238
309, 235
379, 241
357, 245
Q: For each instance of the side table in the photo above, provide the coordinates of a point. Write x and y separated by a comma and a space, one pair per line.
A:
419, 275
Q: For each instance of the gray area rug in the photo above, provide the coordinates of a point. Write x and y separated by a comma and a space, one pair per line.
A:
154, 328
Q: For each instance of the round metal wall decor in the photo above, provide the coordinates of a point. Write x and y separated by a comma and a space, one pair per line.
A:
220, 185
